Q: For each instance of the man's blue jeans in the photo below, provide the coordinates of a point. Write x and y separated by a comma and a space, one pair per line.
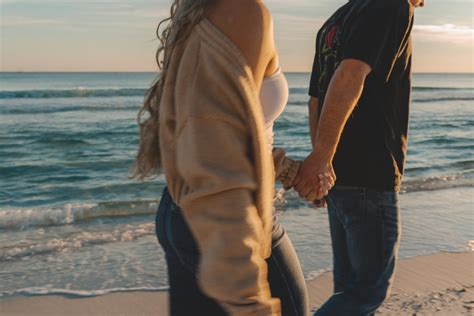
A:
365, 233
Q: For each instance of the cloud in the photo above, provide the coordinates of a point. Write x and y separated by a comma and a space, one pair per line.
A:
444, 33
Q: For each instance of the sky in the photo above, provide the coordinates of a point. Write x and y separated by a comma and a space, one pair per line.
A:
119, 35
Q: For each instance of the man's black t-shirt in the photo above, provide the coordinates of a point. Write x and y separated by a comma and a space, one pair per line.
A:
372, 149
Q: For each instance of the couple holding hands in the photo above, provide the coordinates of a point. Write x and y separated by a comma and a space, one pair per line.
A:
208, 125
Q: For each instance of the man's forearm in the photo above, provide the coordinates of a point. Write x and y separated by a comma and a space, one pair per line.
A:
313, 112
344, 91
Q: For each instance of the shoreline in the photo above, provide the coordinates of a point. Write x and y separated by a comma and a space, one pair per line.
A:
441, 284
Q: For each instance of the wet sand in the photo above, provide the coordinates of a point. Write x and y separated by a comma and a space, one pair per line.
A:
439, 284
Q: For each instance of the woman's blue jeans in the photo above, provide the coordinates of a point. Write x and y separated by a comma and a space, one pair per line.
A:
365, 233
285, 276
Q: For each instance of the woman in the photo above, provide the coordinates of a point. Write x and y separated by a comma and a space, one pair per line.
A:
209, 127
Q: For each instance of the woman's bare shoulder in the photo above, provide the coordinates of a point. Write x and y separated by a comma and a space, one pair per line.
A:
248, 23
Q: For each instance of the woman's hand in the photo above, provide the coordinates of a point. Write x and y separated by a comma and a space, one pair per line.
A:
320, 203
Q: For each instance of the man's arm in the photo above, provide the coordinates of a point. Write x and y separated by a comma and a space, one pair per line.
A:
344, 91
313, 118
313, 110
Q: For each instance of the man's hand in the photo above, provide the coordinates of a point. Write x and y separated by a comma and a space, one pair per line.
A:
316, 175
315, 178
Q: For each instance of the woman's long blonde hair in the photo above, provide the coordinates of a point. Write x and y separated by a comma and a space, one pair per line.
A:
184, 15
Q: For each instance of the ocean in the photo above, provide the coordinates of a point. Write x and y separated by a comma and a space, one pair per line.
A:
72, 221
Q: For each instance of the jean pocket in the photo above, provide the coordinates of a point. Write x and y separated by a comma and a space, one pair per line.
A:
182, 240
348, 205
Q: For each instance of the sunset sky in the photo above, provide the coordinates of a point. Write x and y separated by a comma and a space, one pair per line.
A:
119, 35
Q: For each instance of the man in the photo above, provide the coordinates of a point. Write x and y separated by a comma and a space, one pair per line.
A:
360, 91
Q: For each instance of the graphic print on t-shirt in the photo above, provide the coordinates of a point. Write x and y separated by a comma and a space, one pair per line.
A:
328, 46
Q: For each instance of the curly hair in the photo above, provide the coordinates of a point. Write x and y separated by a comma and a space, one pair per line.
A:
184, 15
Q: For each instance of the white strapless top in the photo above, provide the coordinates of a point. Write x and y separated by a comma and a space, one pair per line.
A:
274, 97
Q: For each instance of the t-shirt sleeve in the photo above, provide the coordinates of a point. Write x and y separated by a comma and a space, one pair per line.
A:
315, 73
379, 34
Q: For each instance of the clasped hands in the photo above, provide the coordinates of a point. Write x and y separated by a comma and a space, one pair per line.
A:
314, 180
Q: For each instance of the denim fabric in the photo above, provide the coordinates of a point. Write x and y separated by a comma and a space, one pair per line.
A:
365, 233
285, 276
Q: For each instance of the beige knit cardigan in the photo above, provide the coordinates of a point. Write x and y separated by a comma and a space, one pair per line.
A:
219, 170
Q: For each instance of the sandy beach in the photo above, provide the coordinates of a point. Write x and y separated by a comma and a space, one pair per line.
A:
439, 284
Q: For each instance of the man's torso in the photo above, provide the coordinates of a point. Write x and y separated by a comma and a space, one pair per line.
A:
372, 149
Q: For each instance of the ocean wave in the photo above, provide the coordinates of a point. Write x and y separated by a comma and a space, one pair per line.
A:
77, 293
461, 179
305, 89
315, 274
447, 140
68, 108
427, 100
81, 92
299, 90
298, 103
290, 199
442, 88
68, 214
461, 165
414, 100
71, 93
72, 213
76, 241
61, 141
